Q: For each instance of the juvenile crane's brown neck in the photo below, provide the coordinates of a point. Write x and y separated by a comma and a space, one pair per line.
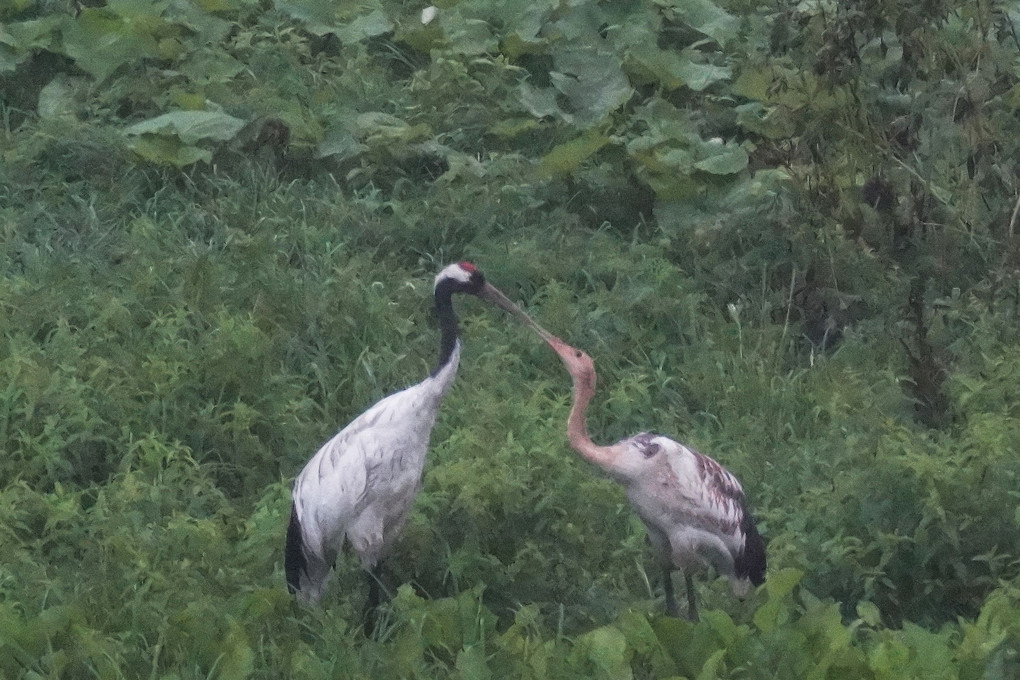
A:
577, 429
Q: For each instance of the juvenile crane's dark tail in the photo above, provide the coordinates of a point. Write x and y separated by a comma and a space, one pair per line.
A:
750, 564
294, 562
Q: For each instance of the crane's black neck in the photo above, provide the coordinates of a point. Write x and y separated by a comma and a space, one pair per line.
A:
447, 323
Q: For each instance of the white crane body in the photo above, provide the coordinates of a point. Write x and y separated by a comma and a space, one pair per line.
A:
360, 486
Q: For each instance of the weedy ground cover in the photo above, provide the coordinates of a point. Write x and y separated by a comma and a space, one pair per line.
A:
785, 231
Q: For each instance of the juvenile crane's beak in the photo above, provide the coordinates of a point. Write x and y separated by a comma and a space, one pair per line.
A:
562, 349
492, 294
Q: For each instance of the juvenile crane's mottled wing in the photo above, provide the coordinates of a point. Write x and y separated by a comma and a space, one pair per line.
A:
721, 499
707, 496
691, 486
723, 507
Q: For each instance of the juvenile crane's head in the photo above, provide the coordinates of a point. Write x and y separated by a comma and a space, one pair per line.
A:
579, 365
464, 277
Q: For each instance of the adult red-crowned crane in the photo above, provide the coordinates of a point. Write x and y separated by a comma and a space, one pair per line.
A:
361, 484
693, 508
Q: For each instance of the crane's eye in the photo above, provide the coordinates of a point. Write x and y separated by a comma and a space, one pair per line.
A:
578, 354
651, 450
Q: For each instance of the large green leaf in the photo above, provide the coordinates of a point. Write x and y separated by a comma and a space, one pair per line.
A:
706, 17
218, 5
606, 649
376, 128
340, 143
471, 663
208, 66
190, 126
723, 158
754, 82
567, 157
171, 139
592, 80
198, 19
710, 670
102, 40
236, 655
466, 35
348, 21
700, 76
12, 8
11, 52
650, 64
163, 150
539, 102
775, 611
370, 25
770, 123
318, 16
19, 39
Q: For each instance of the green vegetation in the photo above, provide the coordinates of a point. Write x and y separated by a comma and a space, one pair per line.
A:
786, 231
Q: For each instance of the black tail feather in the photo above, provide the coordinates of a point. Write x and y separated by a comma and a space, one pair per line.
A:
750, 564
294, 562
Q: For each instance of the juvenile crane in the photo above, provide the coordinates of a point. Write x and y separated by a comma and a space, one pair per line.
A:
693, 508
361, 484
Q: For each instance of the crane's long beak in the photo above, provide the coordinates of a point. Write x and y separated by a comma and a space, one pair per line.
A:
492, 294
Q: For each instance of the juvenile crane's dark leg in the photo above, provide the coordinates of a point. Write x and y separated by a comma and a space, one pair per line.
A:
692, 608
667, 585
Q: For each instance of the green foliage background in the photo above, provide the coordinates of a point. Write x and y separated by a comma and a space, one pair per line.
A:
786, 231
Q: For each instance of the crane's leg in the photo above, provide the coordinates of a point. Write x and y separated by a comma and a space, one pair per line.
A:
667, 585
374, 576
371, 613
692, 608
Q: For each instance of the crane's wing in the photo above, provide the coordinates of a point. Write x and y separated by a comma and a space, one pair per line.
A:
334, 485
328, 488
361, 483
693, 494
722, 497
325, 494
725, 507
698, 490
